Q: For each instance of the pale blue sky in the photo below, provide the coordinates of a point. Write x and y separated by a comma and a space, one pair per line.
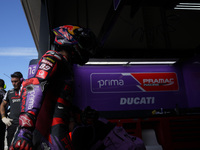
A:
17, 47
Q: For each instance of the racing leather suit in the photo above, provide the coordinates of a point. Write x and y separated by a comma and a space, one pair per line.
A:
45, 105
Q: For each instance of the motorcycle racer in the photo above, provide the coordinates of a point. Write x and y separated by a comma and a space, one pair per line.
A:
46, 97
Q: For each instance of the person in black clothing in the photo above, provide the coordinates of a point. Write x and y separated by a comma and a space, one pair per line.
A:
2, 125
92, 132
12, 99
89, 129
2, 89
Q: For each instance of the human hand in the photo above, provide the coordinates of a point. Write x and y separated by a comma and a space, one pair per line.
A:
7, 121
22, 140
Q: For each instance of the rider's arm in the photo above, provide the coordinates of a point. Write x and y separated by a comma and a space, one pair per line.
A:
33, 88
32, 98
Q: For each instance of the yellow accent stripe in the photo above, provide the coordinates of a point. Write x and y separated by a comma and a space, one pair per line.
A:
72, 31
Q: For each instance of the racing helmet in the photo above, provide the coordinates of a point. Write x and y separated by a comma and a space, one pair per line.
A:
81, 42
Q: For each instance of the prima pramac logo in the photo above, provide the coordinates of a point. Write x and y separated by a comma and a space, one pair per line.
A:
157, 81
133, 82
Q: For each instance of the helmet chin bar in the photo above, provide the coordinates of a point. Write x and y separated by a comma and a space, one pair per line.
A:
79, 56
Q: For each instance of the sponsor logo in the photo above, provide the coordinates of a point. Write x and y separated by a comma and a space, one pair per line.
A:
112, 82
41, 74
31, 99
31, 70
47, 62
157, 81
137, 100
23, 100
16, 100
133, 82
25, 121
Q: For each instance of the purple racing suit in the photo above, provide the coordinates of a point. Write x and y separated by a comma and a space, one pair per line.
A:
45, 105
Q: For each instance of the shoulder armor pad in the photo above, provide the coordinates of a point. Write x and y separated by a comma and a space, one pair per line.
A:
54, 54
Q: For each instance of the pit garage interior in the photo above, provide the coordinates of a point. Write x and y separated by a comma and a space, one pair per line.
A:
146, 38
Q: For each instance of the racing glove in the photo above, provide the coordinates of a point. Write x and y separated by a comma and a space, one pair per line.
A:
23, 140
23, 136
7, 121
